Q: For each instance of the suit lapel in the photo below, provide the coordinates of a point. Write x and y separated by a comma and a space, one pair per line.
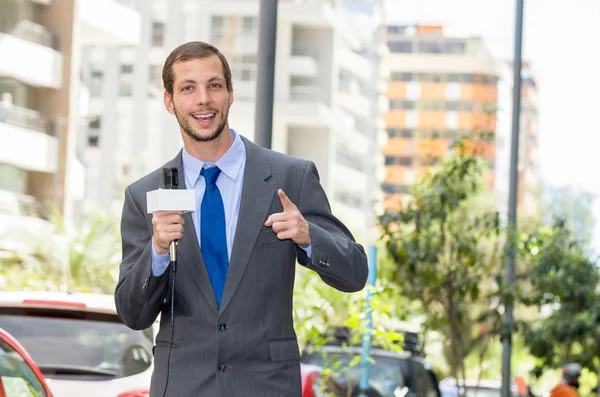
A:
188, 250
255, 202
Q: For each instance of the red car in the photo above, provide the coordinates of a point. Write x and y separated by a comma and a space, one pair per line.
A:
19, 376
314, 384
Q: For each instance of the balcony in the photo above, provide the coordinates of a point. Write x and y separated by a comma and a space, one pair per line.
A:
20, 217
306, 12
29, 144
29, 53
360, 65
109, 22
304, 61
352, 97
305, 105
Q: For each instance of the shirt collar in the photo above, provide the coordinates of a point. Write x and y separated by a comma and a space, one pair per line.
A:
230, 162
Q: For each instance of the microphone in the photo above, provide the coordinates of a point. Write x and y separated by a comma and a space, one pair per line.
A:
171, 181
171, 198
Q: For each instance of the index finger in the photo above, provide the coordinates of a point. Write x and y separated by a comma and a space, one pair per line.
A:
285, 201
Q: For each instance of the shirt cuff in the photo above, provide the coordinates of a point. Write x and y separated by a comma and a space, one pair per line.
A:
159, 262
307, 249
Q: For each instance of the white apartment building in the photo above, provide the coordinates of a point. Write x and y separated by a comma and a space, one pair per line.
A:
329, 90
43, 103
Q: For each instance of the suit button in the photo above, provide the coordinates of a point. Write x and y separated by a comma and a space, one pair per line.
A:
222, 327
221, 367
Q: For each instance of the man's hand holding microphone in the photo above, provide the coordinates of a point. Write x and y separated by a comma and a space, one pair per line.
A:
167, 226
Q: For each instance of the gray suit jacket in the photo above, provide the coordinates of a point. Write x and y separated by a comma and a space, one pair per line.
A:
247, 346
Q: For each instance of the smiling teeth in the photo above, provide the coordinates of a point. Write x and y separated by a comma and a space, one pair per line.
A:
203, 116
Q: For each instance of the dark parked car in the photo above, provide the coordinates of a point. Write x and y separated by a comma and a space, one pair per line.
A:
392, 374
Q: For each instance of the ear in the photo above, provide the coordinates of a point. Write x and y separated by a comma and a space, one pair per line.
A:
230, 97
168, 99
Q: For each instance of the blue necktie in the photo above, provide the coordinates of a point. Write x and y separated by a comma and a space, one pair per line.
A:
213, 238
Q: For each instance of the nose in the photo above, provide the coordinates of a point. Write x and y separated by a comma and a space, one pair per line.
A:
202, 96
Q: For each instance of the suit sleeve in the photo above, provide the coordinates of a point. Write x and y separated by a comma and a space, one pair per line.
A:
338, 259
139, 294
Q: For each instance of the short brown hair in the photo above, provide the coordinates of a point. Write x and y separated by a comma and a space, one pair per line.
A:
189, 51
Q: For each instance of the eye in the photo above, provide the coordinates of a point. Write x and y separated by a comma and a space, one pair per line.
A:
186, 88
215, 85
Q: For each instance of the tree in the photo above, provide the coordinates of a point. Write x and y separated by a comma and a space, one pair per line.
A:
81, 260
446, 247
563, 283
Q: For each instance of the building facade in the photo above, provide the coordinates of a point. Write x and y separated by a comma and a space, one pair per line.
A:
328, 95
44, 103
528, 193
442, 87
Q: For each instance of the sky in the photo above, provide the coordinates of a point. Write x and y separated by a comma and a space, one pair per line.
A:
561, 40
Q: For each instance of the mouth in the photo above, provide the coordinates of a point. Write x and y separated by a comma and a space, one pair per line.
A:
204, 119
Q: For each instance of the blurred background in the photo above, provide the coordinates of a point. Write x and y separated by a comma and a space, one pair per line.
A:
405, 106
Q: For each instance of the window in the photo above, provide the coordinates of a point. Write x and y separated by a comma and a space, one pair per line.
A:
158, 34
390, 188
433, 105
156, 75
249, 26
430, 47
217, 28
465, 77
406, 161
397, 76
401, 46
126, 69
96, 83
400, 132
126, 80
95, 123
17, 376
348, 199
93, 140
95, 342
217, 22
396, 104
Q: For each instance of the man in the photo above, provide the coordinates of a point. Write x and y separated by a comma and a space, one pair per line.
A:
570, 382
258, 211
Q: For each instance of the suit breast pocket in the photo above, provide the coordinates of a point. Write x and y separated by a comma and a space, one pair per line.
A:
266, 235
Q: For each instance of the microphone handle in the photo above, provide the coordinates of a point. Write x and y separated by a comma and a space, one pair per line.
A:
173, 254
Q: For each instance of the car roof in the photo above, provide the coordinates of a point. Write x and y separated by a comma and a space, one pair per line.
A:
358, 350
479, 383
91, 302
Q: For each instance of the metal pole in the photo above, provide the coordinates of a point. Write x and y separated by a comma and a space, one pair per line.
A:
263, 126
367, 338
512, 203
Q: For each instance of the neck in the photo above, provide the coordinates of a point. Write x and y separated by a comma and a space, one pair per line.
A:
209, 151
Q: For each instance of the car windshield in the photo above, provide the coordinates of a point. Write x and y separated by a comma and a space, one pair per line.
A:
66, 347
385, 374
16, 376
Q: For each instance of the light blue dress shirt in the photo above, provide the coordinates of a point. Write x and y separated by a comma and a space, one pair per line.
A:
229, 182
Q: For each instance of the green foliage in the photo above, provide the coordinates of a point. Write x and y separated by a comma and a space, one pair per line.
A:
563, 283
82, 260
446, 247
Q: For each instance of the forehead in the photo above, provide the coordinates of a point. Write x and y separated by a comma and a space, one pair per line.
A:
203, 68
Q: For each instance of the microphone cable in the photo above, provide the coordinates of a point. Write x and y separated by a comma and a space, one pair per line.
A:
171, 181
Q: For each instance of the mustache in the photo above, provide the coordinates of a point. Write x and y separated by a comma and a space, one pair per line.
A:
211, 110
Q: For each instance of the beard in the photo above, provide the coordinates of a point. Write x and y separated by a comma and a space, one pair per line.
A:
185, 125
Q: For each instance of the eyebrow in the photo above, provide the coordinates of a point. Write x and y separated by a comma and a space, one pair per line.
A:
215, 79
187, 81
